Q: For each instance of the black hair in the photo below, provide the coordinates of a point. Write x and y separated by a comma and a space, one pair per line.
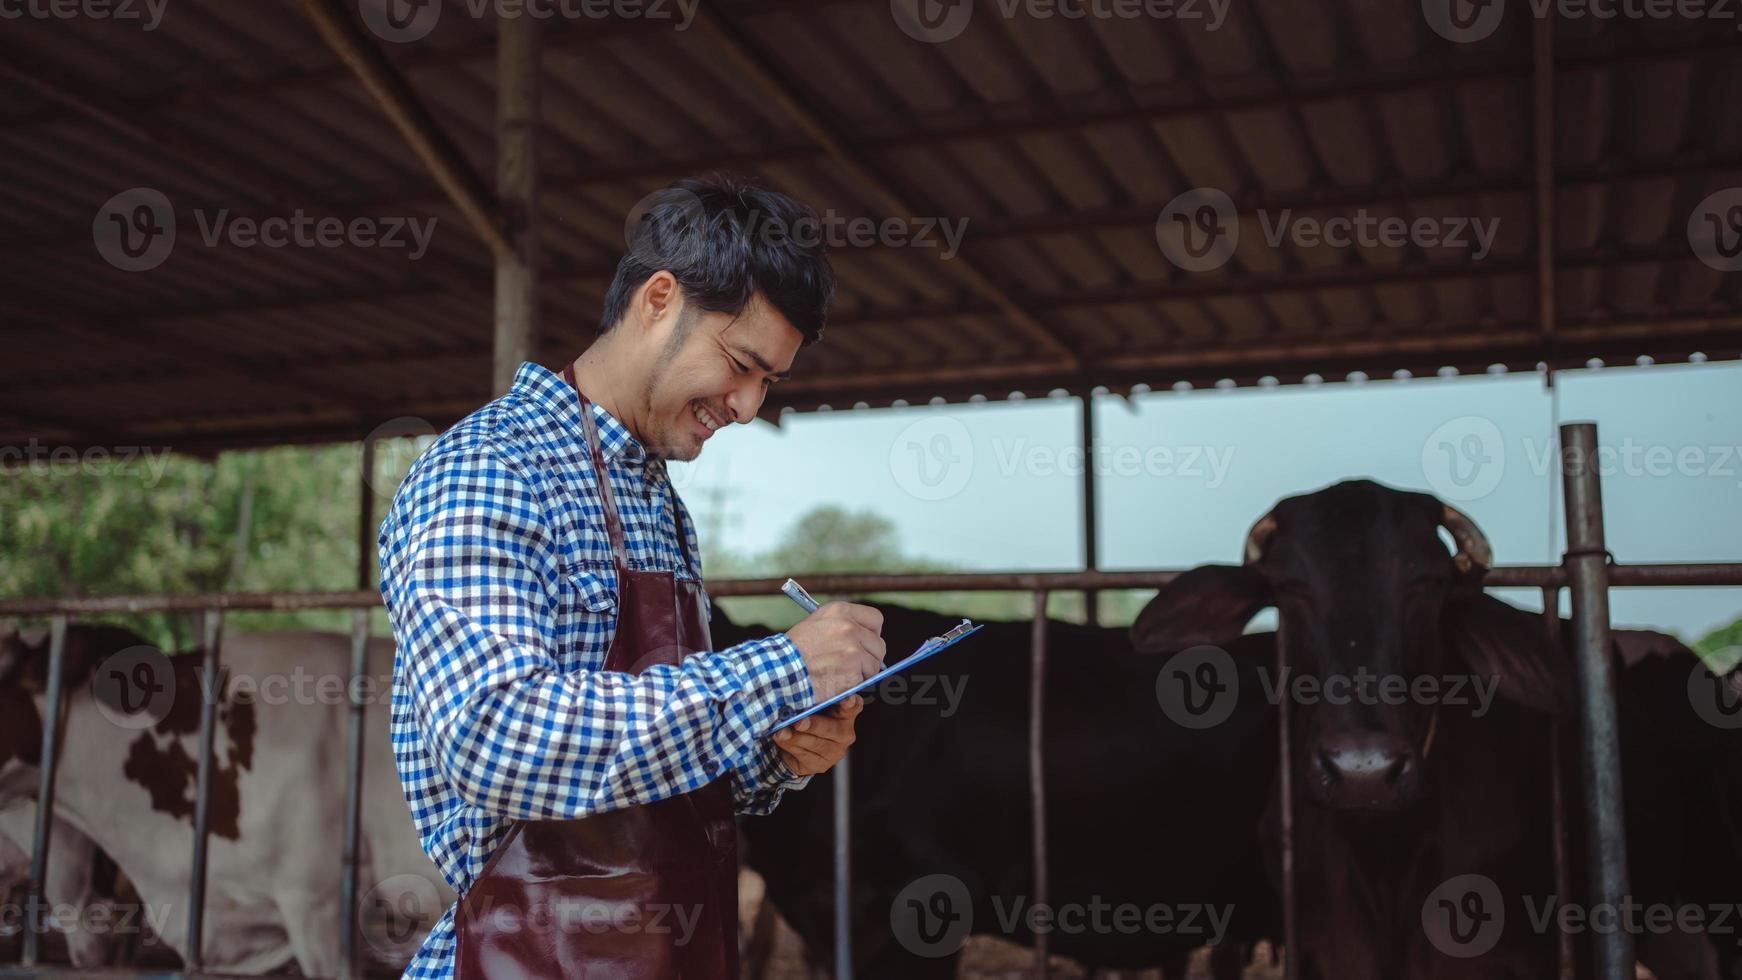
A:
725, 239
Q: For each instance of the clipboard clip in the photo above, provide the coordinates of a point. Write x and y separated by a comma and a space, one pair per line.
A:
951, 636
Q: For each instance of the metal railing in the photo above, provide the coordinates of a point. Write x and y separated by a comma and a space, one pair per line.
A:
1587, 571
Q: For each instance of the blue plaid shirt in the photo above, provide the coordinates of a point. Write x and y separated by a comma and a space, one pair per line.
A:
499, 581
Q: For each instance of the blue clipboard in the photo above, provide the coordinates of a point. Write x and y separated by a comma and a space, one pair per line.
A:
926, 651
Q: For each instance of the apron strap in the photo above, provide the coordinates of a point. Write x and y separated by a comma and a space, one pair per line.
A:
613, 525
683, 541
590, 427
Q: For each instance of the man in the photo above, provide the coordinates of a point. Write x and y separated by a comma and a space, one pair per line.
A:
571, 750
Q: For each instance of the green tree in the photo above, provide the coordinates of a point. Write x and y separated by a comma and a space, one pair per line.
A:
279, 519
1722, 647
831, 539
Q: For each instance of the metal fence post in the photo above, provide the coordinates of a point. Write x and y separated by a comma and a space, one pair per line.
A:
211, 690
51, 737
1091, 533
1557, 731
1037, 769
843, 869
366, 517
349, 925
1588, 577
1291, 963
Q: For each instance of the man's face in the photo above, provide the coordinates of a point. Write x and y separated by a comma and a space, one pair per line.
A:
713, 369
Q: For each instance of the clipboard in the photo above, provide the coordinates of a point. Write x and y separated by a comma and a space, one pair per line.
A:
926, 651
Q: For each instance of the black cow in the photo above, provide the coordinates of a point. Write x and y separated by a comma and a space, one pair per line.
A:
1410, 800
1143, 814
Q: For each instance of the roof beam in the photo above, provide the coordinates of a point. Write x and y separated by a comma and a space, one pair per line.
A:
1604, 173
1520, 340
57, 85
1259, 92
203, 91
1262, 90
1303, 281
1669, 336
128, 338
1146, 292
428, 141
54, 83
882, 186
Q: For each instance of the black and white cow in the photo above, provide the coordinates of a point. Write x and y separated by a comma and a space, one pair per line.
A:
127, 781
85, 919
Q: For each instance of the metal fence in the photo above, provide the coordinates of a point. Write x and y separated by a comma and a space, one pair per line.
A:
1587, 570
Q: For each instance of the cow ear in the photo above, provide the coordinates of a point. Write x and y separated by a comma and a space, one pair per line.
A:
1500, 641
1207, 606
12, 654
24, 658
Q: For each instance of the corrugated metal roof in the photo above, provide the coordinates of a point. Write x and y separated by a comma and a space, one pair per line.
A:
1058, 141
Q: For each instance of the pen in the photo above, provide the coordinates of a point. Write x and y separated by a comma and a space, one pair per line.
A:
796, 593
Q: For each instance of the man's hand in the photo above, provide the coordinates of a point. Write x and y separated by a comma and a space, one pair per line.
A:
814, 745
841, 646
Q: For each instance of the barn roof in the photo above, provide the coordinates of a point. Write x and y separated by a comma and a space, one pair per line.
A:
1059, 141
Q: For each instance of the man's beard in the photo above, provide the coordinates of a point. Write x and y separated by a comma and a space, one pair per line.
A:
686, 321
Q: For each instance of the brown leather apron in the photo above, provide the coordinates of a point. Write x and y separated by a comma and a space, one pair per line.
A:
647, 891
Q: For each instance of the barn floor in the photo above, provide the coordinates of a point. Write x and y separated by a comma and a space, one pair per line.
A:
986, 958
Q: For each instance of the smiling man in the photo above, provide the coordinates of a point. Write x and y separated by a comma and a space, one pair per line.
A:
572, 748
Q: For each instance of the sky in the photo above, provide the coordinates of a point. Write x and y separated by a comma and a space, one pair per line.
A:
1184, 474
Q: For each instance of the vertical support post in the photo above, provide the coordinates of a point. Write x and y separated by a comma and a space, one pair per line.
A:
353, 794
51, 720
843, 868
1542, 143
1091, 551
211, 689
1037, 769
517, 112
1563, 874
366, 517
1588, 576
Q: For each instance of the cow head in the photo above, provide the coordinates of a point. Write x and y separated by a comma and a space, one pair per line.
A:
1373, 602
20, 721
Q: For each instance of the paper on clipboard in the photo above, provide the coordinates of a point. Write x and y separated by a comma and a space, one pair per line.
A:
927, 650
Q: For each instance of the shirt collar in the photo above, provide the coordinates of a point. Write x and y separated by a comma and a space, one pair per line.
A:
546, 389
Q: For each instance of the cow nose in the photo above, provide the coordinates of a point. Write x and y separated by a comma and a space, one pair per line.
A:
1365, 770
